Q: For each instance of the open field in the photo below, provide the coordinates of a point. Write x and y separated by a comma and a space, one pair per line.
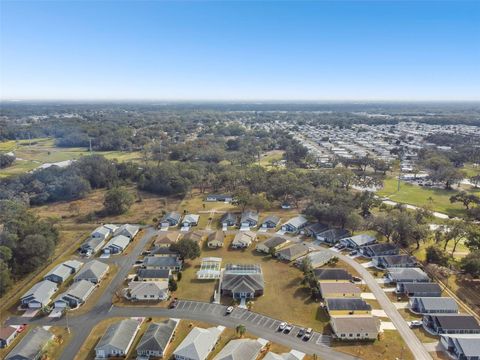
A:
267, 159
35, 152
432, 198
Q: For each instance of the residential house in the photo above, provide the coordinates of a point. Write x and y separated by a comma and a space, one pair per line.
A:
355, 327
76, 295
7, 335
433, 305
451, 324
173, 263
118, 339
59, 274
93, 271
357, 241
292, 355
249, 219
462, 347
314, 230
75, 265
215, 239
196, 236
127, 230
339, 290
156, 339
295, 224
198, 344
240, 349
103, 232
332, 275
420, 289
274, 244
91, 246
190, 220
31, 346
382, 249
154, 274
243, 239
148, 290
271, 222
163, 251
171, 219
292, 252
347, 306
210, 268
332, 236
229, 219
116, 245
316, 258
219, 197
39, 295
406, 275
242, 281
165, 239
395, 261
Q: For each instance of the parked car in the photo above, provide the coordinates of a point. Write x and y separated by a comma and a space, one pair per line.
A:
301, 332
173, 304
308, 334
282, 326
356, 278
229, 310
288, 328
415, 323
21, 328
353, 253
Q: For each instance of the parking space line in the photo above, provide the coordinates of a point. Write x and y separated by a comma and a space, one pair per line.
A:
269, 322
195, 308
264, 319
274, 324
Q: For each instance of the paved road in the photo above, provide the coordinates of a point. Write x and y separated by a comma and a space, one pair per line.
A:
258, 325
412, 341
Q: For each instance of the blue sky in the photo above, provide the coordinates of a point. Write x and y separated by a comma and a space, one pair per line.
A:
333, 50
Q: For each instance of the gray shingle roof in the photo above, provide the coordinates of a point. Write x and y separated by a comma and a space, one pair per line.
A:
274, 241
240, 349
422, 287
157, 336
410, 274
347, 304
272, 218
29, 347
153, 273
437, 303
197, 343
454, 321
293, 251
118, 335
81, 289
61, 271
92, 269
355, 324
161, 261
41, 291
332, 274
297, 221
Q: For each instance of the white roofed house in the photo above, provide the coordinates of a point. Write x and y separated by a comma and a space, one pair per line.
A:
127, 230
433, 305
93, 271
394, 261
63, 271
31, 346
406, 275
118, 339
249, 219
198, 344
240, 349
243, 239
316, 258
190, 220
76, 295
116, 245
148, 290
39, 295
103, 232
291, 253
462, 346
295, 224
91, 246
357, 241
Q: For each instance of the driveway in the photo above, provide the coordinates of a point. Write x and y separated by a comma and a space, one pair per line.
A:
409, 337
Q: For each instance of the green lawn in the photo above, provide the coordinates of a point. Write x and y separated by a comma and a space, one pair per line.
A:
435, 199
35, 152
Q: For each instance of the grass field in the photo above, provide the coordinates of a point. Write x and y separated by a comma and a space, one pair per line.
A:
33, 153
434, 199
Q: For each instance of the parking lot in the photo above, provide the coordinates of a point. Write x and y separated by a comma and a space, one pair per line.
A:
246, 317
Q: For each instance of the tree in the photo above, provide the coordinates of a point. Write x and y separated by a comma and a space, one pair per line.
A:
240, 330
172, 285
187, 248
465, 198
435, 255
473, 238
475, 180
5, 253
117, 201
385, 225
471, 264
6, 160
306, 265
5, 278
457, 231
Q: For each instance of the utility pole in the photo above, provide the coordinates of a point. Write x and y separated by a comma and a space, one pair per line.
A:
90, 144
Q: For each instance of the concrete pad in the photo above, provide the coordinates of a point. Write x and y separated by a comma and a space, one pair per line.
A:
368, 296
379, 313
367, 264
56, 313
185, 229
401, 305
387, 325
262, 230
298, 354
380, 280
433, 346
164, 228
104, 256
392, 289
263, 341
281, 232
30, 313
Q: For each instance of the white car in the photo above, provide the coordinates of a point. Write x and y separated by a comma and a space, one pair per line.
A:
229, 310
288, 328
282, 326
415, 323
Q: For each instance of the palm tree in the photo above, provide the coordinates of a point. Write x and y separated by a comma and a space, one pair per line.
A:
240, 330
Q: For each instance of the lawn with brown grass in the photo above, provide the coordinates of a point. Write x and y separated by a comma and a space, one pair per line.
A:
389, 347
